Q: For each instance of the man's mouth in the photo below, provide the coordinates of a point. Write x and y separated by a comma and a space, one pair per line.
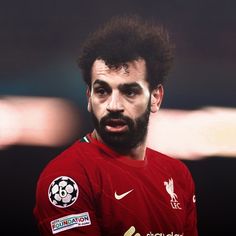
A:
116, 126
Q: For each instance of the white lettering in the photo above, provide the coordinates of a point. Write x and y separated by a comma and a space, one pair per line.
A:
171, 234
175, 205
163, 234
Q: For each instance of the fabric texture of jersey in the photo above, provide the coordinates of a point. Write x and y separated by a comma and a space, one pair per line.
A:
114, 195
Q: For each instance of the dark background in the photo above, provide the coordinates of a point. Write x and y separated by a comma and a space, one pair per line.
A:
39, 43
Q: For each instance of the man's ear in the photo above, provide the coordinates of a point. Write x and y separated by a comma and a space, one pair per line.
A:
88, 94
156, 98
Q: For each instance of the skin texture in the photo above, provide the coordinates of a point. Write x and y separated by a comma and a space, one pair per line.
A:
125, 91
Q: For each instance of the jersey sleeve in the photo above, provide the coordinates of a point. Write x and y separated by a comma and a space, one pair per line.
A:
191, 213
65, 202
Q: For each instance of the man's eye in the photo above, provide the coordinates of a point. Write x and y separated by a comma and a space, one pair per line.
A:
130, 93
101, 91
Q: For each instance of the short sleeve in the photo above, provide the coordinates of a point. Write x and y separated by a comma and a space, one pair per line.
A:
65, 203
191, 212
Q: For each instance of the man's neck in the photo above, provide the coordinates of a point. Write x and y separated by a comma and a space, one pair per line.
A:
137, 153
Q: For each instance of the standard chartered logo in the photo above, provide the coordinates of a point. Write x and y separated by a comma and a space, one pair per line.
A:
132, 232
162, 234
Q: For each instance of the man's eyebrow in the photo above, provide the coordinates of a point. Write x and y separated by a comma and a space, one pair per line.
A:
124, 86
133, 85
101, 83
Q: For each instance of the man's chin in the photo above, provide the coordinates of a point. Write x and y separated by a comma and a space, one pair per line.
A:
116, 136
116, 139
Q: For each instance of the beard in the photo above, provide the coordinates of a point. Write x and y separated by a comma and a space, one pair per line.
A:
132, 137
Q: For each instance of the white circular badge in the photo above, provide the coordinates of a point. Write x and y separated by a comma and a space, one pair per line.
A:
63, 192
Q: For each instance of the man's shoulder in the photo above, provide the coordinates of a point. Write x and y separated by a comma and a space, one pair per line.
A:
166, 161
161, 156
78, 155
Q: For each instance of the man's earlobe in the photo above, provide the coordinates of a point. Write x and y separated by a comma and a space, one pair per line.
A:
88, 94
156, 98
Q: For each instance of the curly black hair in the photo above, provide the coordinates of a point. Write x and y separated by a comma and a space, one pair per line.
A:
127, 38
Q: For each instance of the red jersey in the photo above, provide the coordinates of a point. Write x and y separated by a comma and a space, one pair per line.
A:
91, 190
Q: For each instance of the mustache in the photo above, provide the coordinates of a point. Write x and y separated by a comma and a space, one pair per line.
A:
117, 116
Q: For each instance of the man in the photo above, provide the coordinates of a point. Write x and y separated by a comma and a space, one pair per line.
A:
109, 182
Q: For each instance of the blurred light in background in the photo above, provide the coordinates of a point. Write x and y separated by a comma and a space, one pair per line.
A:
210, 131
182, 134
37, 121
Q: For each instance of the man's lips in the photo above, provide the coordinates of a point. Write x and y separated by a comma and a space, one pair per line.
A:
116, 125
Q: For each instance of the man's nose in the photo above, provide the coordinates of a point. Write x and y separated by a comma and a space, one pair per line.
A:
115, 103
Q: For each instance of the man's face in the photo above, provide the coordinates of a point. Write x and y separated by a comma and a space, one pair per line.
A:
120, 103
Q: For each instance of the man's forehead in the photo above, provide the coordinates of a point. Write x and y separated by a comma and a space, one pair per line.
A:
137, 66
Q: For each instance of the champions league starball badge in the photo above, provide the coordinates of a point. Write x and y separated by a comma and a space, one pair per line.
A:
63, 191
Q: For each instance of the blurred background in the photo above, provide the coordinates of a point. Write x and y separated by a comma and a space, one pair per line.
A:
43, 102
